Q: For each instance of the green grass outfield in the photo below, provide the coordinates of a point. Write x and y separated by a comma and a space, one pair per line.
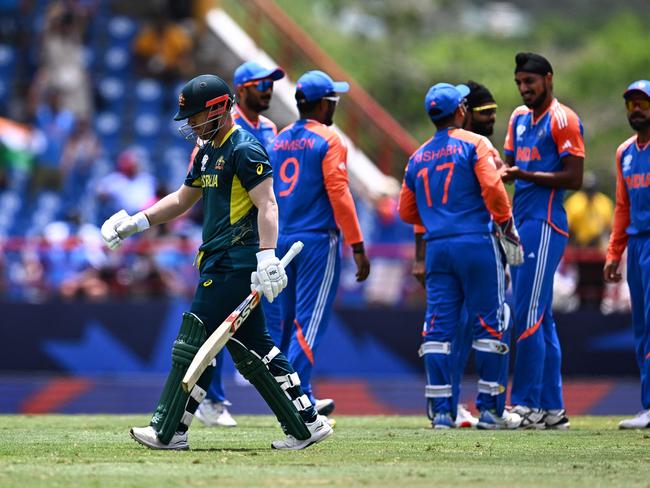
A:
96, 450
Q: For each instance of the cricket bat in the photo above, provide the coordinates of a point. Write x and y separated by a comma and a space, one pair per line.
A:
228, 327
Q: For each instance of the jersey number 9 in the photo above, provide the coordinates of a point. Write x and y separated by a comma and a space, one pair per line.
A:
290, 179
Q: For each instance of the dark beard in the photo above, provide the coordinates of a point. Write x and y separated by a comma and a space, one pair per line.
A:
639, 125
256, 106
539, 101
483, 129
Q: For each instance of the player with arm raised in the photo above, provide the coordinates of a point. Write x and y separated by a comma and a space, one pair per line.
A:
544, 152
232, 174
452, 187
310, 180
632, 230
254, 89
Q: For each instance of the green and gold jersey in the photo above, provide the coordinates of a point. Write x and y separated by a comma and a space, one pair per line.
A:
226, 173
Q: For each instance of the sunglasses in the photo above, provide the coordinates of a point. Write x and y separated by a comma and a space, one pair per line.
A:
332, 99
642, 104
486, 109
260, 85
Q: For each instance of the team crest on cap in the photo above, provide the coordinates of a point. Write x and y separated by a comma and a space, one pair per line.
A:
181, 100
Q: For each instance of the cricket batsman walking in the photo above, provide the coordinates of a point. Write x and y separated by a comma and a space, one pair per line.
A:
232, 174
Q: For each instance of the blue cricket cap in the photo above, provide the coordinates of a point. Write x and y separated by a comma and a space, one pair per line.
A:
252, 71
315, 85
642, 86
445, 98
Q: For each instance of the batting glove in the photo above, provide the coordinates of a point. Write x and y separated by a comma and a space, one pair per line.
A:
120, 226
510, 243
270, 277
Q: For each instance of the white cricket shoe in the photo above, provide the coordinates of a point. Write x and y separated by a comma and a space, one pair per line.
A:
215, 414
320, 430
464, 418
641, 421
489, 420
531, 418
557, 419
147, 437
325, 406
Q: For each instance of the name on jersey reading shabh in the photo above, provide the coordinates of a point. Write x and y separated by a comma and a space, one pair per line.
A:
448, 150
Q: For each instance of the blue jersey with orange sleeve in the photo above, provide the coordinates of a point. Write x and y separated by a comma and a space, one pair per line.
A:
310, 181
632, 213
265, 130
540, 145
452, 186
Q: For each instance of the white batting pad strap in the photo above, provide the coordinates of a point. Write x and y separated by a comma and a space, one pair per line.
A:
269, 357
490, 387
437, 391
288, 381
187, 419
433, 347
302, 402
506, 316
490, 345
198, 393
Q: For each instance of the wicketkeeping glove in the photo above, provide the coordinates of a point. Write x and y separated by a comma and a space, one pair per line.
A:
510, 242
120, 226
270, 275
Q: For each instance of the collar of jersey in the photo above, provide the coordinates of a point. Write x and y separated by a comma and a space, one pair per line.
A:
225, 138
532, 113
241, 113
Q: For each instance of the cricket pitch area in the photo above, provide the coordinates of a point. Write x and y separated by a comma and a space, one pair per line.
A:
96, 450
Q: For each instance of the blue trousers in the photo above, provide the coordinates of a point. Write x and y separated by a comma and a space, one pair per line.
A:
537, 381
464, 269
638, 279
307, 301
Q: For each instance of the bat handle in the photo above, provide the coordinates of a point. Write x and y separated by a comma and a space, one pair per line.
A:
293, 251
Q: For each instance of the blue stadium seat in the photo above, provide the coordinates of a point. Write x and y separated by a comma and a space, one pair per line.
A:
7, 61
148, 96
113, 92
107, 126
117, 62
121, 31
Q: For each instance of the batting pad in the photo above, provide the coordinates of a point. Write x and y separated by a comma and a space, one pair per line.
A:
275, 392
171, 406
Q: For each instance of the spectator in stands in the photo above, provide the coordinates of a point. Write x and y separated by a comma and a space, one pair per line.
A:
163, 50
590, 214
56, 123
62, 65
127, 188
81, 151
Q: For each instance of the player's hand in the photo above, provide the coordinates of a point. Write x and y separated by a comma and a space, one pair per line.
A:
270, 275
418, 271
120, 226
610, 272
508, 175
510, 243
361, 260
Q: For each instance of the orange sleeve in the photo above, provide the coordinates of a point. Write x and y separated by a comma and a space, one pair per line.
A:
335, 176
618, 238
419, 229
492, 190
567, 132
408, 208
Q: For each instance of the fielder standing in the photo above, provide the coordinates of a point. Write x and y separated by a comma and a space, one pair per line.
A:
309, 162
545, 152
632, 230
232, 174
452, 187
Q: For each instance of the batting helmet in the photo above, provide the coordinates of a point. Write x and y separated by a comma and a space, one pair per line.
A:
205, 92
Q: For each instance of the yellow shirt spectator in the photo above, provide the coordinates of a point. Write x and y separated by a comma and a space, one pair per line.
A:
590, 217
